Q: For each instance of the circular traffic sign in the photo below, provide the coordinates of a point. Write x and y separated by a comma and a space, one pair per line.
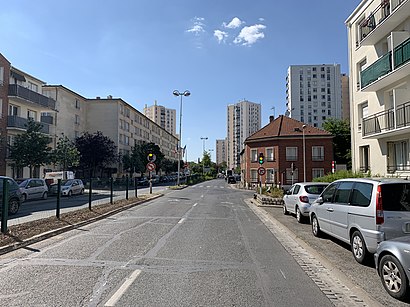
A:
151, 157
151, 166
261, 171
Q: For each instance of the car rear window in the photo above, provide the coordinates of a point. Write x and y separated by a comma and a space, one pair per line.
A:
396, 197
315, 189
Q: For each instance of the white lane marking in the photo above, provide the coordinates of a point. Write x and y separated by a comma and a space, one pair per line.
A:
127, 283
283, 274
195, 204
227, 202
208, 186
181, 220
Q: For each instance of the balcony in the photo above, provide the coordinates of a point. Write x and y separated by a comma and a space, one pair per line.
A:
387, 69
382, 21
29, 95
22, 123
387, 123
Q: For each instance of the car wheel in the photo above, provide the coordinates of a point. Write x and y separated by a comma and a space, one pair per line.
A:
45, 195
315, 227
359, 248
14, 206
299, 216
285, 211
393, 277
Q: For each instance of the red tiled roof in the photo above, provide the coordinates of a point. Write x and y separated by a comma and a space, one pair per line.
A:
284, 126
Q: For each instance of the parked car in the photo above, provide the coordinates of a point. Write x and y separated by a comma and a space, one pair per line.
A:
392, 261
15, 196
231, 179
363, 212
69, 187
33, 188
142, 181
300, 196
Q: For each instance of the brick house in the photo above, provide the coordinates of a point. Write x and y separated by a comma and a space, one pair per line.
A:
281, 142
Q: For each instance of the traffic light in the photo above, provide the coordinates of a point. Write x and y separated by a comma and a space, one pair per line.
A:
151, 157
261, 158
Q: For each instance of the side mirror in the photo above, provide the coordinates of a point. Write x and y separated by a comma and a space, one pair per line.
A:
319, 200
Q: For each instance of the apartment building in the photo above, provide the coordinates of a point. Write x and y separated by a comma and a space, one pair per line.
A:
220, 151
4, 92
314, 93
379, 65
164, 117
243, 119
27, 101
345, 97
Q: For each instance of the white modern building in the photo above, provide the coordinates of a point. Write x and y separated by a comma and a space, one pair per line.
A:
244, 119
379, 61
314, 93
220, 151
164, 117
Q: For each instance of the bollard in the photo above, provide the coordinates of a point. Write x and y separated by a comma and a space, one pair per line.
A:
111, 188
136, 185
5, 206
58, 198
126, 187
90, 191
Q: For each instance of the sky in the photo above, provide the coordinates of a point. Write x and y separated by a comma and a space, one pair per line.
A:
222, 51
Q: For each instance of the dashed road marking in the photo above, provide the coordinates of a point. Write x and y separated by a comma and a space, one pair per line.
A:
181, 220
120, 292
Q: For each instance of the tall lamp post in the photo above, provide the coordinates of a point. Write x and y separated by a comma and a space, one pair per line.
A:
176, 93
304, 153
203, 152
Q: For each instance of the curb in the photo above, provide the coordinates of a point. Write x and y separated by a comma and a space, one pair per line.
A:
46, 235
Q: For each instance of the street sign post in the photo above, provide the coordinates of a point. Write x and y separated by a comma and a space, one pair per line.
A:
261, 171
150, 168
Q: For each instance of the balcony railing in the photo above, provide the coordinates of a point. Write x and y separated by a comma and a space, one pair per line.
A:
402, 53
378, 69
403, 115
25, 93
378, 122
400, 167
20, 122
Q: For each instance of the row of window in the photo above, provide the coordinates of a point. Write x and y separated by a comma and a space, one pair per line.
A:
290, 176
322, 68
318, 154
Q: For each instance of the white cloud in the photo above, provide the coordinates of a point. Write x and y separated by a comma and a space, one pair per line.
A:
261, 19
220, 35
198, 26
235, 23
250, 35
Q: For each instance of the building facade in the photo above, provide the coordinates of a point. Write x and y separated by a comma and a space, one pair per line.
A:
285, 144
4, 92
345, 97
164, 117
243, 119
314, 93
220, 151
379, 65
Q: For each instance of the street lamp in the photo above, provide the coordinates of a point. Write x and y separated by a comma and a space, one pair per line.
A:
176, 93
203, 152
304, 153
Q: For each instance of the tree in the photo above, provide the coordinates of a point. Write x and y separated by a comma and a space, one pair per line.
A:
340, 129
96, 151
66, 154
169, 166
138, 158
31, 148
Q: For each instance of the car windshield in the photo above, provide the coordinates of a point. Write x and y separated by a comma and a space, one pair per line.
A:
66, 182
23, 183
315, 189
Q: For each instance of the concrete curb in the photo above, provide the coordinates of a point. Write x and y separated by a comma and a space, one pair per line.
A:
11, 247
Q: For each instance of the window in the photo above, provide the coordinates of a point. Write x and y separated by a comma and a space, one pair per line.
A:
270, 175
77, 119
364, 156
1, 75
254, 155
342, 194
254, 175
296, 189
14, 110
317, 172
1, 106
398, 156
32, 86
361, 194
363, 113
77, 104
327, 194
32, 115
291, 153
270, 155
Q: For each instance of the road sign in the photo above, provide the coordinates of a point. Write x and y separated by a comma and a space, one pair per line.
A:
151, 166
261, 171
151, 157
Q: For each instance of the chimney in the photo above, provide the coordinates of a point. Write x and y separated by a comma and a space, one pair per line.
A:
98, 97
271, 118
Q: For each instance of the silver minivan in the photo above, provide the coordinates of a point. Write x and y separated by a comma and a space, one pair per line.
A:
33, 188
363, 212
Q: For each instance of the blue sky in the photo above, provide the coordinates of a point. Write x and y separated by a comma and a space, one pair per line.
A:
141, 50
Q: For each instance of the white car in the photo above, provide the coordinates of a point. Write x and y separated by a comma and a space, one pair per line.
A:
69, 187
300, 196
33, 188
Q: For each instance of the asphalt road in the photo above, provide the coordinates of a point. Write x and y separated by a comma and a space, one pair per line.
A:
201, 246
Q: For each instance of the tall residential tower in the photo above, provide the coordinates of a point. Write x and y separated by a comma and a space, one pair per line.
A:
165, 118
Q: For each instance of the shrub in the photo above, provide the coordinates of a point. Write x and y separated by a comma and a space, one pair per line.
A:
273, 192
342, 174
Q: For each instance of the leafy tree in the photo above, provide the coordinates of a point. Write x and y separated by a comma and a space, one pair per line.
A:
138, 158
96, 151
340, 129
169, 166
31, 148
66, 154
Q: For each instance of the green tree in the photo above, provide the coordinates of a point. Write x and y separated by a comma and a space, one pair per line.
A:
96, 151
66, 154
340, 129
31, 148
139, 153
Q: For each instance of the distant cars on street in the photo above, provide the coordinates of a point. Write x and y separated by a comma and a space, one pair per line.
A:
33, 188
300, 196
231, 179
